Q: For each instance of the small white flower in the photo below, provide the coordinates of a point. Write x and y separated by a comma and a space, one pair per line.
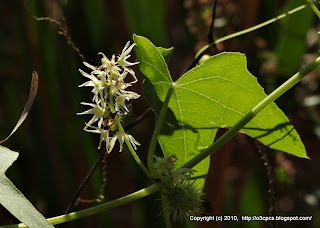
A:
104, 135
121, 137
120, 102
98, 112
122, 59
123, 96
163, 165
132, 140
97, 85
125, 54
102, 76
109, 65
89, 66
120, 84
182, 173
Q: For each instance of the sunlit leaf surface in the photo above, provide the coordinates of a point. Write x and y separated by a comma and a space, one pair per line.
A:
216, 94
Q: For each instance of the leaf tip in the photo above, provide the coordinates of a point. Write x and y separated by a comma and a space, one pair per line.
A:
302, 154
306, 157
135, 37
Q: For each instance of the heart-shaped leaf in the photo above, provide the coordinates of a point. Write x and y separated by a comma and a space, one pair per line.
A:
215, 94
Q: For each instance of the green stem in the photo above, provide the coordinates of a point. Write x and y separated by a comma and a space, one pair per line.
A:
157, 128
97, 209
250, 115
133, 152
242, 32
314, 8
111, 95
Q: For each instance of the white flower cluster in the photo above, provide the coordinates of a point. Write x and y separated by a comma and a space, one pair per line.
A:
109, 98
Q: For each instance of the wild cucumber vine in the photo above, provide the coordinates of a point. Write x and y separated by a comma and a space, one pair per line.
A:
183, 129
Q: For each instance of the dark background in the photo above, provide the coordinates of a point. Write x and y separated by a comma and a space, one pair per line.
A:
55, 153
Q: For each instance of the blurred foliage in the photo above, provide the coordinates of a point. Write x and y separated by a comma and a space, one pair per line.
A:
55, 153
291, 44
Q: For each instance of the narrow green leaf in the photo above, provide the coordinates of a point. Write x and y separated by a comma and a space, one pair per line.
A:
12, 199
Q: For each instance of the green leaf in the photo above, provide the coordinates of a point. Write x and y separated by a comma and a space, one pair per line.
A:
220, 92
153, 65
12, 199
215, 94
147, 87
166, 53
156, 86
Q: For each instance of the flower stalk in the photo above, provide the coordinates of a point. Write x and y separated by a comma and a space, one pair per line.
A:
132, 151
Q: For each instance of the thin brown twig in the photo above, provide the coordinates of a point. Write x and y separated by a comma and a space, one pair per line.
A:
272, 196
213, 17
139, 119
63, 31
100, 196
83, 183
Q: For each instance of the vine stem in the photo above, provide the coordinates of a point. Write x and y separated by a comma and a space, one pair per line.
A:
242, 32
133, 152
97, 209
251, 114
314, 8
157, 128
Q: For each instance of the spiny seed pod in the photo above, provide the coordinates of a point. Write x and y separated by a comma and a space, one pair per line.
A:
180, 202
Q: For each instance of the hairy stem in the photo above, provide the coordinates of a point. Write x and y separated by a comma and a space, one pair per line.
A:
250, 115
